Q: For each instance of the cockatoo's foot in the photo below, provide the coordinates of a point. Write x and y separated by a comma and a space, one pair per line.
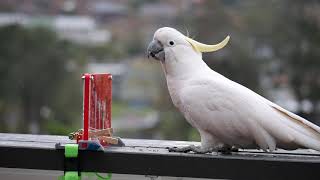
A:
181, 149
225, 149
234, 149
199, 150
193, 148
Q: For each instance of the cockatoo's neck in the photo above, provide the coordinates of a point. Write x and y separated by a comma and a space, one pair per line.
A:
183, 62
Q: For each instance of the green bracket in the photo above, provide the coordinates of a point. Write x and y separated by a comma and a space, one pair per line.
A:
71, 175
72, 151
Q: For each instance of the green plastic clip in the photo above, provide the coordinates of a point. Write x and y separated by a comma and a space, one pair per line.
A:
71, 150
71, 175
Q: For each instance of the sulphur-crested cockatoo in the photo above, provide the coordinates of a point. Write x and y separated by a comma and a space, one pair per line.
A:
225, 113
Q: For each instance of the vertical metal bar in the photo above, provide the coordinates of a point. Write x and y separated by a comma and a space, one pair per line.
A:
99, 114
103, 115
86, 106
109, 101
93, 101
95, 111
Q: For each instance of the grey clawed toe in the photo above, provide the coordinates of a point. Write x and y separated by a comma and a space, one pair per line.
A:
193, 148
199, 150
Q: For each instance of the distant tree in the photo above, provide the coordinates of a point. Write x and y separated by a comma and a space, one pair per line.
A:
35, 71
297, 44
213, 22
291, 29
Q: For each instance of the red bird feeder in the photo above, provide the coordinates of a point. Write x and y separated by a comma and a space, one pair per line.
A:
97, 97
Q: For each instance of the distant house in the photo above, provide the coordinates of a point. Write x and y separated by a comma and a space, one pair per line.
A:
13, 18
80, 29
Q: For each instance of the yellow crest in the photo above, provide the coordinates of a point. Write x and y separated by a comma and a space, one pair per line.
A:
205, 47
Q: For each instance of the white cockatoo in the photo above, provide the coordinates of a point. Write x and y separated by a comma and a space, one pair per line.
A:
225, 113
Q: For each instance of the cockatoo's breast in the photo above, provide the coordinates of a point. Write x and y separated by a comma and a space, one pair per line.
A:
174, 87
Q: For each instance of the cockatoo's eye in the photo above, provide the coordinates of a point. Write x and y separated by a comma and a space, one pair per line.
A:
171, 43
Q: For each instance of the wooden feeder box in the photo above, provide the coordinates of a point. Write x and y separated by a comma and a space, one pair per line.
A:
97, 98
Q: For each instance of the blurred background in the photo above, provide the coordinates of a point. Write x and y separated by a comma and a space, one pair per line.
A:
46, 45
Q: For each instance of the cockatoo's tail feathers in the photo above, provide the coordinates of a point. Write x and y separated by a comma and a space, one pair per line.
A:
297, 118
200, 47
304, 133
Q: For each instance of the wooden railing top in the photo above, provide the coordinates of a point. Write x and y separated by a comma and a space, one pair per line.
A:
150, 157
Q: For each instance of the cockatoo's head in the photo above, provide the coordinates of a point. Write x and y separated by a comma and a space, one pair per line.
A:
168, 42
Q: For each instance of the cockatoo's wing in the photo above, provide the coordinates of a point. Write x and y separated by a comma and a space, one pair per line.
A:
295, 118
208, 110
238, 116
306, 133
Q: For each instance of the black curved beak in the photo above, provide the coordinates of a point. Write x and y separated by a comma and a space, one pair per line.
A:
156, 51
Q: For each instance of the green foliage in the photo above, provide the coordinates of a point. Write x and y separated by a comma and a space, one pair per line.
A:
111, 50
173, 126
194, 135
234, 61
34, 74
294, 35
59, 128
121, 108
